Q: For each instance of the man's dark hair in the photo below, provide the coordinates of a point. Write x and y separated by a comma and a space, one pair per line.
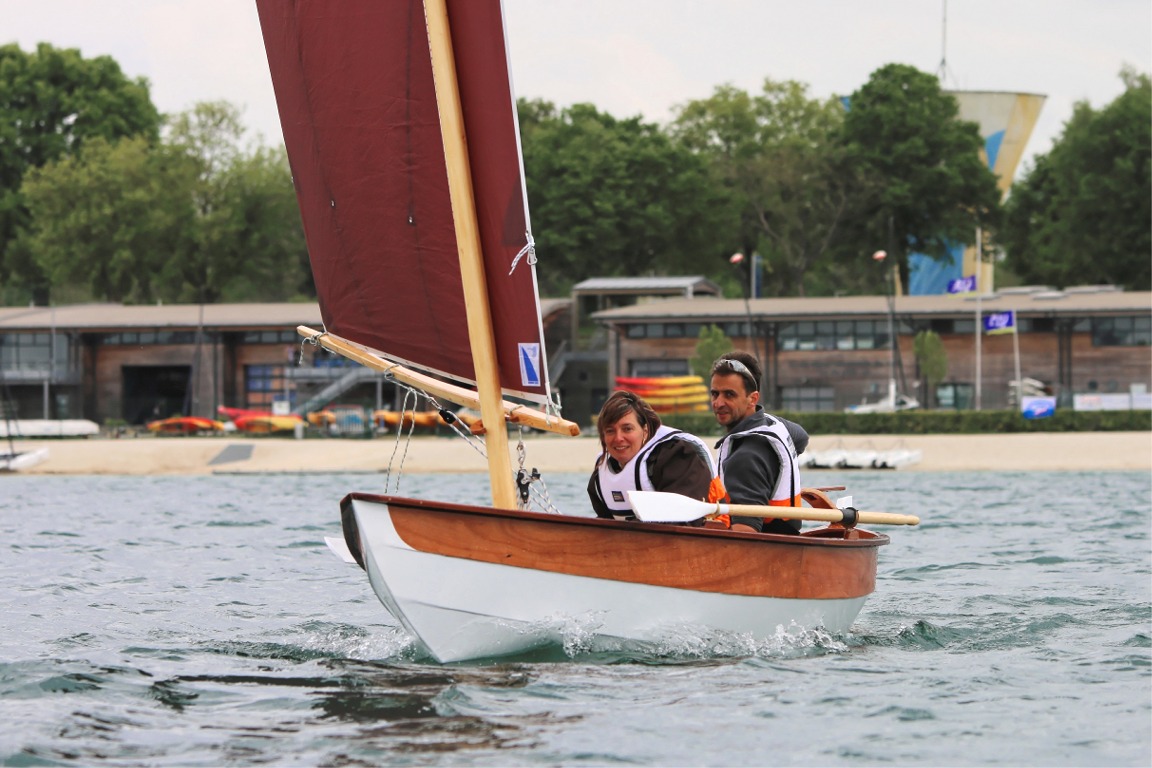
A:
743, 364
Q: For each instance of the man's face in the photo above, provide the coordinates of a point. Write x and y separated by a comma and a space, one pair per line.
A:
731, 402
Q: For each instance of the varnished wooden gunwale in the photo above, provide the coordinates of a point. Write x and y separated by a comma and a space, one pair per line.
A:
681, 557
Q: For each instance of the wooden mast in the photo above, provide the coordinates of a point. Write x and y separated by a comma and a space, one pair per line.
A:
472, 276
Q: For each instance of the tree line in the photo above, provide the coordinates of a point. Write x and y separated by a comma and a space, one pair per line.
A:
104, 198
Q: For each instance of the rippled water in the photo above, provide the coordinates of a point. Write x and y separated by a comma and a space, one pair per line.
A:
201, 621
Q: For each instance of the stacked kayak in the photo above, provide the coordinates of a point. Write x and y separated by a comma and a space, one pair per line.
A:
184, 425
669, 394
256, 422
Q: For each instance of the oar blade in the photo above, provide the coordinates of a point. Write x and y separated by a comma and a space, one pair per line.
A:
659, 507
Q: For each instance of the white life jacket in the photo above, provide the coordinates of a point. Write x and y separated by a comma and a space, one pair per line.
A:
787, 490
636, 474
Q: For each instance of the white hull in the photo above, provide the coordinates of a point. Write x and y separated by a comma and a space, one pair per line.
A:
838, 458
460, 608
14, 462
37, 428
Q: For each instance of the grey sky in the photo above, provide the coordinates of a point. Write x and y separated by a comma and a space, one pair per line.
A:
631, 57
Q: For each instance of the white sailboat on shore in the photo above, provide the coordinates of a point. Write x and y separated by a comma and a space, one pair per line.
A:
400, 124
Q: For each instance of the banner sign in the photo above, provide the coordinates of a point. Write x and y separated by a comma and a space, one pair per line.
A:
1038, 407
1000, 322
962, 284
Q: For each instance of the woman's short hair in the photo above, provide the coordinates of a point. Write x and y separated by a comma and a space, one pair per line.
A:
618, 405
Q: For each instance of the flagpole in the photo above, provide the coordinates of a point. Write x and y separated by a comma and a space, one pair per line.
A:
979, 320
1016, 353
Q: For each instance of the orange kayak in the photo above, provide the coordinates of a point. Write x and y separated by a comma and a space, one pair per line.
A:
184, 425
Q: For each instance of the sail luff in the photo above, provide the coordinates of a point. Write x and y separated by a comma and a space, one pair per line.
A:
480, 333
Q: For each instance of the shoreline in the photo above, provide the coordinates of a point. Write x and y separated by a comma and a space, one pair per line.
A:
1053, 452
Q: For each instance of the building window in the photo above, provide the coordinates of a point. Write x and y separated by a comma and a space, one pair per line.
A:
955, 395
265, 384
732, 330
269, 337
34, 351
1125, 331
839, 335
808, 399
149, 338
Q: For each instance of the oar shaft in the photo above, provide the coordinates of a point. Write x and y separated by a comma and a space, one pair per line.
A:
814, 513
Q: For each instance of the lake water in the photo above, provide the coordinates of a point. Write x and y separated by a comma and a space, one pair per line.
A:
200, 621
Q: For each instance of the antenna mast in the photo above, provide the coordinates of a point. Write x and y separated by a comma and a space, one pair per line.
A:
942, 71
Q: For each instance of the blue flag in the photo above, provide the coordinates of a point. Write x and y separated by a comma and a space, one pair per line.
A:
1000, 322
962, 284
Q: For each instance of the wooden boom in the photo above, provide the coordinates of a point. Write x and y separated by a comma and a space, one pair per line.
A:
514, 413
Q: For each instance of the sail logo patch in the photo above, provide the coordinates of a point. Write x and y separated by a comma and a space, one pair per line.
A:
529, 364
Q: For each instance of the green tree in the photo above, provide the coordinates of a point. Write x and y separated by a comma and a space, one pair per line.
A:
246, 237
270, 256
196, 218
208, 136
932, 360
109, 218
53, 101
931, 188
1083, 212
612, 197
711, 345
777, 153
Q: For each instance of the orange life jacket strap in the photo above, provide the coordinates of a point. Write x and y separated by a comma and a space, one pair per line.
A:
795, 501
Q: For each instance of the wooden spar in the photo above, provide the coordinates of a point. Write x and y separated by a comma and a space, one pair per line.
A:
511, 412
480, 335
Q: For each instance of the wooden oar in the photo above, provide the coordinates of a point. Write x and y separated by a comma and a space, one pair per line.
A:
658, 507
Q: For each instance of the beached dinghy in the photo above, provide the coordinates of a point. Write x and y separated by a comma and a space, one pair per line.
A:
399, 121
12, 460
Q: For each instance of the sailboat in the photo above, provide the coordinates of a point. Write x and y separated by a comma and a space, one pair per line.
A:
400, 125
12, 460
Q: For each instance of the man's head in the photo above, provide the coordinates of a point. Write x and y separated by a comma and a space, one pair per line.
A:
735, 388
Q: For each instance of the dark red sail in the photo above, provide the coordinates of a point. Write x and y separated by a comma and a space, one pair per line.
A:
354, 87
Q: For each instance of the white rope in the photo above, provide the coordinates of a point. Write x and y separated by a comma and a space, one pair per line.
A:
528, 250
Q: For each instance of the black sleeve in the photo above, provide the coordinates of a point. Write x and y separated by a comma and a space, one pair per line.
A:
679, 467
798, 434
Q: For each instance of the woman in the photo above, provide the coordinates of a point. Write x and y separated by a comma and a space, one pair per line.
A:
640, 454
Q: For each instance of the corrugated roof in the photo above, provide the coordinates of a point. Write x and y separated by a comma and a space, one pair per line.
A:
1043, 303
696, 284
94, 317
117, 316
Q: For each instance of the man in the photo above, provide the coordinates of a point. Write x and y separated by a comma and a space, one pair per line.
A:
757, 456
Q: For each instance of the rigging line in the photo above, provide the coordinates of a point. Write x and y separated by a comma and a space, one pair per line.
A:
413, 395
477, 445
529, 250
540, 495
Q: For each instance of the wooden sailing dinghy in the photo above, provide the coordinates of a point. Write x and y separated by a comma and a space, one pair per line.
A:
400, 125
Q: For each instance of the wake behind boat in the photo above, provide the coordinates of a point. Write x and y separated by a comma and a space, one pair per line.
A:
400, 124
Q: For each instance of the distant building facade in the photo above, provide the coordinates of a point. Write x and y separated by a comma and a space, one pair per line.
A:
132, 364
824, 354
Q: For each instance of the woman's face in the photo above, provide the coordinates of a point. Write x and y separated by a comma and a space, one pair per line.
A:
624, 438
